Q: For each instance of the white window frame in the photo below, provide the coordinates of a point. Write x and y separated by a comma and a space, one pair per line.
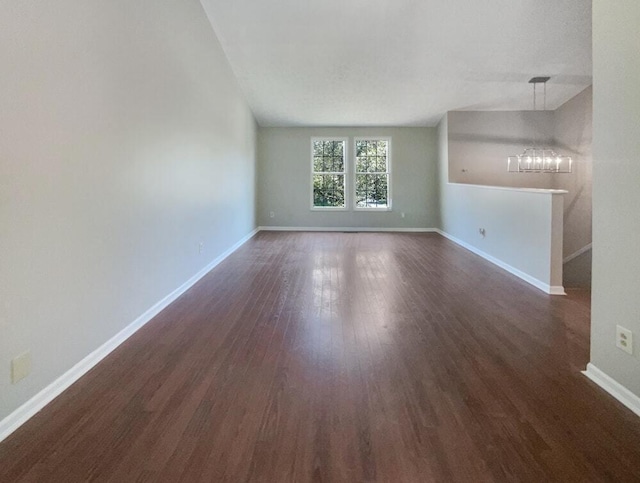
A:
345, 173
388, 173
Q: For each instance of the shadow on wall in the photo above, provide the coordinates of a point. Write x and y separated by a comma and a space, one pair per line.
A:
576, 273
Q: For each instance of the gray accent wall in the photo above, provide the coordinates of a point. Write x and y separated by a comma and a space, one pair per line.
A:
284, 164
126, 142
481, 141
616, 188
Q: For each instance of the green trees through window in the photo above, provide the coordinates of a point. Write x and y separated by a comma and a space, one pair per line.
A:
372, 173
329, 170
361, 179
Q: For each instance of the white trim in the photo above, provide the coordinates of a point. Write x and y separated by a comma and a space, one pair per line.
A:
556, 290
347, 228
388, 208
509, 188
545, 287
387, 173
613, 387
329, 208
27, 410
345, 173
577, 253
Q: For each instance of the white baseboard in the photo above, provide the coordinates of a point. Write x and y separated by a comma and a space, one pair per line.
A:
614, 388
545, 287
348, 228
21, 415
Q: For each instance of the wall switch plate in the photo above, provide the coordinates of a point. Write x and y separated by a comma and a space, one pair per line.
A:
271, 214
624, 339
20, 367
200, 247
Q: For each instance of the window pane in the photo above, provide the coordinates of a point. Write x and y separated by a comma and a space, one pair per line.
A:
362, 163
328, 156
371, 156
379, 193
317, 148
328, 190
364, 187
371, 190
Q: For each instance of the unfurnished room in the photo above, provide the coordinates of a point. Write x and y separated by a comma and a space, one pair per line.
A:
293, 241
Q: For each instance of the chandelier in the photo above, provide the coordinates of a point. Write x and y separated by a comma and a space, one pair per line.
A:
536, 159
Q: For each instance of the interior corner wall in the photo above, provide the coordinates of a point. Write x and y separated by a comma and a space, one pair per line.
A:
125, 143
616, 197
284, 167
573, 136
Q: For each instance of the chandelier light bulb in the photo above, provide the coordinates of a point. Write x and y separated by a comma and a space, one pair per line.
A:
539, 159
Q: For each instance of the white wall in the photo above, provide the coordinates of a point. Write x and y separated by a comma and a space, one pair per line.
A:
285, 179
616, 192
523, 227
479, 143
125, 143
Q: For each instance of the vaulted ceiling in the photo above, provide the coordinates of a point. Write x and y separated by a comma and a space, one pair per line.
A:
400, 62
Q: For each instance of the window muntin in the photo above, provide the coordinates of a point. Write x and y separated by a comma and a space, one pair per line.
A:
372, 174
329, 172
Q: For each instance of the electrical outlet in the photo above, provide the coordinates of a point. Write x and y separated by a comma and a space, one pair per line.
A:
624, 339
482, 232
272, 214
200, 247
402, 214
20, 367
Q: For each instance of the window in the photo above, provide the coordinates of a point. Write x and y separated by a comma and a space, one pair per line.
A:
372, 174
329, 169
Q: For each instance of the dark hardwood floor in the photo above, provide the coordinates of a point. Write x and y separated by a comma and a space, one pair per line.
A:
342, 357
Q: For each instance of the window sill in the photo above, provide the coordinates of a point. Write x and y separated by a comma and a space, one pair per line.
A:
328, 208
373, 209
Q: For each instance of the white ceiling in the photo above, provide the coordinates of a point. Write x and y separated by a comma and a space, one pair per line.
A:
400, 62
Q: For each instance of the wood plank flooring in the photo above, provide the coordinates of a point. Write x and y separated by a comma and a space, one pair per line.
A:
342, 357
